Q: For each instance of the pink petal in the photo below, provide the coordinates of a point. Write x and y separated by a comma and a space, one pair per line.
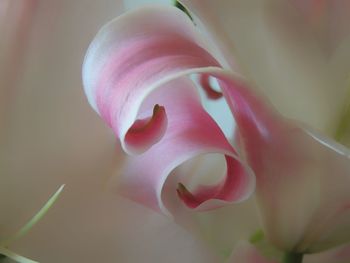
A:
191, 132
128, 59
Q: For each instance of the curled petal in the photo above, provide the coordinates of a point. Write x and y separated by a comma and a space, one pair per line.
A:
302, 179
205, 83
146, 132
144, 175
128, 59
232, 188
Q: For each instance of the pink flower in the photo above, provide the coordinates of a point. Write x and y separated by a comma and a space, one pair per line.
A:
143, 59
50, 136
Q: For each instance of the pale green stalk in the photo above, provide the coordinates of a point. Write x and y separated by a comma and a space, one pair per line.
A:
12, 255
34, 219
344, 125
5, 252
292, 258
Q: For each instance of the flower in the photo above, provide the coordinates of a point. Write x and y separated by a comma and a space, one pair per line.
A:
51, 137
134, 55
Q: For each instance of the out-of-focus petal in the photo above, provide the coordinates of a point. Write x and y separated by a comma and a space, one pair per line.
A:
16, 22
339, 255
130, 4
302, 178
248, 253
327, 19
221, 228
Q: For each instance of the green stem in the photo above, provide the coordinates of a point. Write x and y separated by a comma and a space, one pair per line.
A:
34, 219
291, 257
343, 126
344, 122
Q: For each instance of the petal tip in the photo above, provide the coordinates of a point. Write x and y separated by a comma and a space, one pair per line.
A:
211, 93
186, 196
146, 132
